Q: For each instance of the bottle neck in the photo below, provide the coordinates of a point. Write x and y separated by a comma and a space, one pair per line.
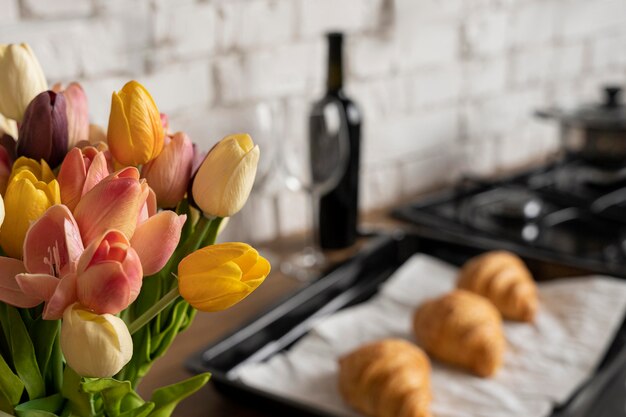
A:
334, 82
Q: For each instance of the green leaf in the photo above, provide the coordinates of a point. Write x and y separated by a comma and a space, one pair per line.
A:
53, 375
45, 334
162, 339
184, 208
80, 402
23, 352
112, 391
118, 397
42, 407
142, 411
167, 398
5, 406
11, 387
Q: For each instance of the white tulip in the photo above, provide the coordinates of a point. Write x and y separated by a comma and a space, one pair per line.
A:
225, 178
95, 345
21, 79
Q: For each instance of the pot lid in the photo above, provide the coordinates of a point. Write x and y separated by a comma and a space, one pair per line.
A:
610, 114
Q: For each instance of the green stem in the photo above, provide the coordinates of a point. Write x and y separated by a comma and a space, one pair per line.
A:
153, 311
211, 235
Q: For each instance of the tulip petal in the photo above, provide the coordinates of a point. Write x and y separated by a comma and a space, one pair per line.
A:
10, 291
165, 228
55, 231
256, 275
114, 203
41, 286
98, 170
218, 294
104, 288
72, 177
213, 256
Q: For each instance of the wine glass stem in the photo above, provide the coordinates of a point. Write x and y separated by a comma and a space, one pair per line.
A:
315, 220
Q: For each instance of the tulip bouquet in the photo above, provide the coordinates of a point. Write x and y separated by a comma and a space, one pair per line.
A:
107, 245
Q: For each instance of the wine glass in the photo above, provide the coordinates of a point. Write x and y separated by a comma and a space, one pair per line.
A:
315, 166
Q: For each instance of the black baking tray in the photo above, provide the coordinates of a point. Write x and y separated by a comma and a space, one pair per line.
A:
351, 283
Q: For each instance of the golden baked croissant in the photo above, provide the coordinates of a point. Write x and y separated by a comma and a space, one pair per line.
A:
462, 329
503, 278
388, 378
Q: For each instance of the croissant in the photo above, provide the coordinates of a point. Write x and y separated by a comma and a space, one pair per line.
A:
461, 329
503, 278
388, 378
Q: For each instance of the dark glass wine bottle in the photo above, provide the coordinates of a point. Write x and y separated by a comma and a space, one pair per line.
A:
338, 209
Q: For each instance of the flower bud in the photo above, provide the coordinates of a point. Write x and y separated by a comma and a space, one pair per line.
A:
21, 79
219, 276
169, 173
43, 133
95, 346
135, 134
224, 180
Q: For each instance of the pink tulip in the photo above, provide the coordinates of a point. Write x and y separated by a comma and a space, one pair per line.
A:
169, 173
53, 244
109, 274
77, 111
77, 114
52, 249
114, 203
80, 171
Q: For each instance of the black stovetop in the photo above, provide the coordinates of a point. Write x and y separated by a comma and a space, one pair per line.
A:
569, 211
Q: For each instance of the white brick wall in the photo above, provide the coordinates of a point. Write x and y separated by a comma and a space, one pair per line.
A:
446, 87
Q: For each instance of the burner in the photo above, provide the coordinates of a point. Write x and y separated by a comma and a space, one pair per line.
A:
513, 211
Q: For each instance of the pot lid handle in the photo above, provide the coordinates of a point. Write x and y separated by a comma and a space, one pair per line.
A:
611, 96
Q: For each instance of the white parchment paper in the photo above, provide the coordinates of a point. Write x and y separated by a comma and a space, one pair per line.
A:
544, 364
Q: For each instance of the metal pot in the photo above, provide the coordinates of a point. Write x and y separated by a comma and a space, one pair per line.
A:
596, 133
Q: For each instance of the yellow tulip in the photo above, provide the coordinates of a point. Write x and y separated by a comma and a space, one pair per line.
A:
219, 276
135, 133
224, 181
95, 345
21, 79
31, 191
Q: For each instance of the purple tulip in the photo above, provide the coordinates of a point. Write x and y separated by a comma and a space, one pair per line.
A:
44, 133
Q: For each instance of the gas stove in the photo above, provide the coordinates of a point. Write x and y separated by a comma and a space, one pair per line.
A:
569, 211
